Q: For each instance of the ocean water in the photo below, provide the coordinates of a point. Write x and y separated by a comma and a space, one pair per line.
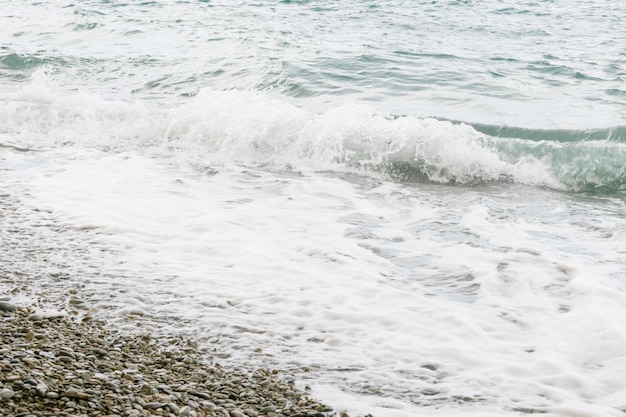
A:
409, 207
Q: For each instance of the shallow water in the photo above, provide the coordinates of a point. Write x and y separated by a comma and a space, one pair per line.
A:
414, 208
499, 298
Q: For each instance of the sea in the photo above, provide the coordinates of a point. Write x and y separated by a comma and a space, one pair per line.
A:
408, 207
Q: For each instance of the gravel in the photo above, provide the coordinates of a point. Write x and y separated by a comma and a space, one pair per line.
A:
62, 366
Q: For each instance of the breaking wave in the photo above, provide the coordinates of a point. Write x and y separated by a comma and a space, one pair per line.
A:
220, 127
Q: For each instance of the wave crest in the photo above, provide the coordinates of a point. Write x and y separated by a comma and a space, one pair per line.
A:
232, 126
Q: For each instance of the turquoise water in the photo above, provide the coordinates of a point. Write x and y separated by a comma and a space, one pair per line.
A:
422, 202
533, 64
547, 76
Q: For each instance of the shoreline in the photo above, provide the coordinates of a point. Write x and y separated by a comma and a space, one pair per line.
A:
56, 365
60, 355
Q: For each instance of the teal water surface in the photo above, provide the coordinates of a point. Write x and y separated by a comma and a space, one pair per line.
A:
536, 64
548, 76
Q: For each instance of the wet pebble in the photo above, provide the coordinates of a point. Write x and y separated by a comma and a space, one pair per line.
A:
6, 393
7, 306
81, 368
75, 393
42, 389
154, 406
52, 395
237, 413
35, 318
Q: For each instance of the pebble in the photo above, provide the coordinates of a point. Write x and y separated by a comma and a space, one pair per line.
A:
42, 389
35, 318
100, 376
74, 393
7, 306
173, 408
200, 395
154, 406
136, 312
75, 301
6, 393
32, 362
147, 389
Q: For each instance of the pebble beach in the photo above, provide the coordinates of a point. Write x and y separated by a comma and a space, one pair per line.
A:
60, 357
57, 366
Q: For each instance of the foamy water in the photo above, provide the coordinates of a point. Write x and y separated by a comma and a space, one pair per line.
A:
497, 299
406, 227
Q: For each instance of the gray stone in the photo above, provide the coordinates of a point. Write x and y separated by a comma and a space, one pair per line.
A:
100, 376
75, 301
66, 359
41, 389
165, 388
148, 389
6, 393
136, 312
74, 393
154, 406
237, 413
35, 318
268, 409
173, 408
6, 306
202, 395
30, 362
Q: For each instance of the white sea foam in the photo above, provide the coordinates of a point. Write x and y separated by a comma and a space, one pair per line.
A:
398, 295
